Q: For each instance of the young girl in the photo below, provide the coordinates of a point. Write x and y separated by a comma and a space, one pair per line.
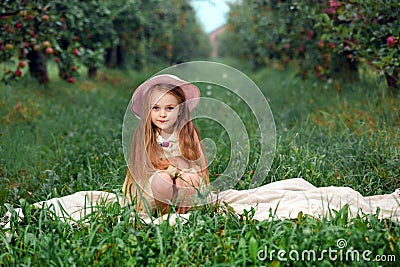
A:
167, 164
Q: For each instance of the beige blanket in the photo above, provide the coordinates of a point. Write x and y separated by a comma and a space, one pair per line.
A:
284, 199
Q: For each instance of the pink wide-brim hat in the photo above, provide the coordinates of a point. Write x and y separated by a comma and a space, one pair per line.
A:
191, 92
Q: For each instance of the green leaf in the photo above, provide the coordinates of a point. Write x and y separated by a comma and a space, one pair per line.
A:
253, 249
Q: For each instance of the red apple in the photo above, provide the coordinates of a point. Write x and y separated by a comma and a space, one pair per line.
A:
49, 50
45, 18
46, 44
74, 68
334, 4
71, 80
26, 45
390, 41
36, 47
22, 64
57, 59
18, 25
18, 73
76, 52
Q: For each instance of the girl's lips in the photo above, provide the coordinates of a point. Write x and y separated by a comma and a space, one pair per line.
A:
162, 121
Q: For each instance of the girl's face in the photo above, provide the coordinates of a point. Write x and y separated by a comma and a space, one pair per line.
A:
164, 110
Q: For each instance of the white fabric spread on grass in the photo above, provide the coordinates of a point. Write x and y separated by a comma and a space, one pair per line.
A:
288, 197
284, 199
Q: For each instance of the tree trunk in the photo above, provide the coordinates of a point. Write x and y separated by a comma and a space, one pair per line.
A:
347, 68
92, 72
120, 56
393, 82
37, 66
109, 58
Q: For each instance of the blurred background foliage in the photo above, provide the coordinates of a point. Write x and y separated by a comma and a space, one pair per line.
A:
96, 33
328, 39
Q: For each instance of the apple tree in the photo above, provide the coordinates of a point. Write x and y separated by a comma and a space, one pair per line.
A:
74, 33
85, 33
368, 31
155, 32
90, 33
277, 32
328, 39
27, 35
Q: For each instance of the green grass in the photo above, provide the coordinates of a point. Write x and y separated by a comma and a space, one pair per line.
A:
65, 138
349, 138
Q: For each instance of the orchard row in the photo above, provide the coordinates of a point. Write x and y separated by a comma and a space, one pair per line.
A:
76, 33
328, 39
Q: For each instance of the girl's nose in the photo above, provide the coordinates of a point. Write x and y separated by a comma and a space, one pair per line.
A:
163, 113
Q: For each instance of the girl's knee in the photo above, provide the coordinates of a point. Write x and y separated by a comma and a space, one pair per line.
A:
161, 186
187, 185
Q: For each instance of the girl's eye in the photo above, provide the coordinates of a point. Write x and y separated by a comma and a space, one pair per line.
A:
155, 108
170, 108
